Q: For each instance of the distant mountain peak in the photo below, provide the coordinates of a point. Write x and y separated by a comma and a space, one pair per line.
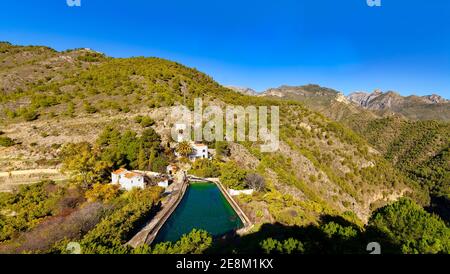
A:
435, 99
243, 90
412, 106
310, 90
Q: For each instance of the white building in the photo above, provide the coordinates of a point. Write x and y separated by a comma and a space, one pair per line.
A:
128, 179
199, 151
164, 183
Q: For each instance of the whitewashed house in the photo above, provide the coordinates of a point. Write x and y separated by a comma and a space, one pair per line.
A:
128, 179
199, 151
164, 183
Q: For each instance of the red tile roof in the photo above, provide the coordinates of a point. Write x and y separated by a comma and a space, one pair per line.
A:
120, 171
130, 175
200, 145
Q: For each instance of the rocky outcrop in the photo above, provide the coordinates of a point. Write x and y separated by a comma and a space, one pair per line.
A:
413, 107
245, 91
378, 100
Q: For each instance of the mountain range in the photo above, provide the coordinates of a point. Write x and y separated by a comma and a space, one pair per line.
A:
382, 104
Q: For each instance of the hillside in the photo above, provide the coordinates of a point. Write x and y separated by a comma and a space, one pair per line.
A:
53, 98
419, 149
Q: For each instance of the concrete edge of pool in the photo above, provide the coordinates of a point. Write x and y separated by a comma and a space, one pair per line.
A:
149, 233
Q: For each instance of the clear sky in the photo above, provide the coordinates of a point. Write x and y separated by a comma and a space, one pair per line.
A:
404, 45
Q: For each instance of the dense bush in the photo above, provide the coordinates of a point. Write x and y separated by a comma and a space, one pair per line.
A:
205, 168
412, 228
289, 246
102, 192
130, 150
232, 176
144, 121
222, 149
29, 114
85, 164
195, 242
23, 210
110, 235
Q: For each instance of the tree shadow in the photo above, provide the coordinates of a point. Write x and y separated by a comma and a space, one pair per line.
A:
323, 238
440, 206
144, 220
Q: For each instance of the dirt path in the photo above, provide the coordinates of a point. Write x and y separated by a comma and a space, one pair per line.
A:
11, 180
29, 172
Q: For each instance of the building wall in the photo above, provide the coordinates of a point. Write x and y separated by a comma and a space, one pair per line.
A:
200, 152
114, 178
164, 184
126, 183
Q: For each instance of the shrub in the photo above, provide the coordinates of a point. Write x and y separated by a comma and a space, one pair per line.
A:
222, 149
289, 246
147, 122
89, 108
255, 181
196, 242
6, 141
102, 192
205, 168
232, 176
30, 115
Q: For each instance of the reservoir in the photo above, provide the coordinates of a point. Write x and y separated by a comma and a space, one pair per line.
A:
202, 207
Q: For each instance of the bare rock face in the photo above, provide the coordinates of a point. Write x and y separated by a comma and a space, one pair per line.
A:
243, 90
434, 99
364, 99
340, 97
378, 100
293, 92
242, 157
413, 107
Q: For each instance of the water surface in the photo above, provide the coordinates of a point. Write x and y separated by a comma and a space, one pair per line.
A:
203, 207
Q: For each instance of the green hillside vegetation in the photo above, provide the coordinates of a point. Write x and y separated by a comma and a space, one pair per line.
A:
419, 149
112, 86
320, 189
31, 205
389, 226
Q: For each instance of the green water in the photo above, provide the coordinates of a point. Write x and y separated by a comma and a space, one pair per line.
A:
203, 207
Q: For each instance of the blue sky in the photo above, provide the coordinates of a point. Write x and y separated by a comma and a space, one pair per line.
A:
404, 45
